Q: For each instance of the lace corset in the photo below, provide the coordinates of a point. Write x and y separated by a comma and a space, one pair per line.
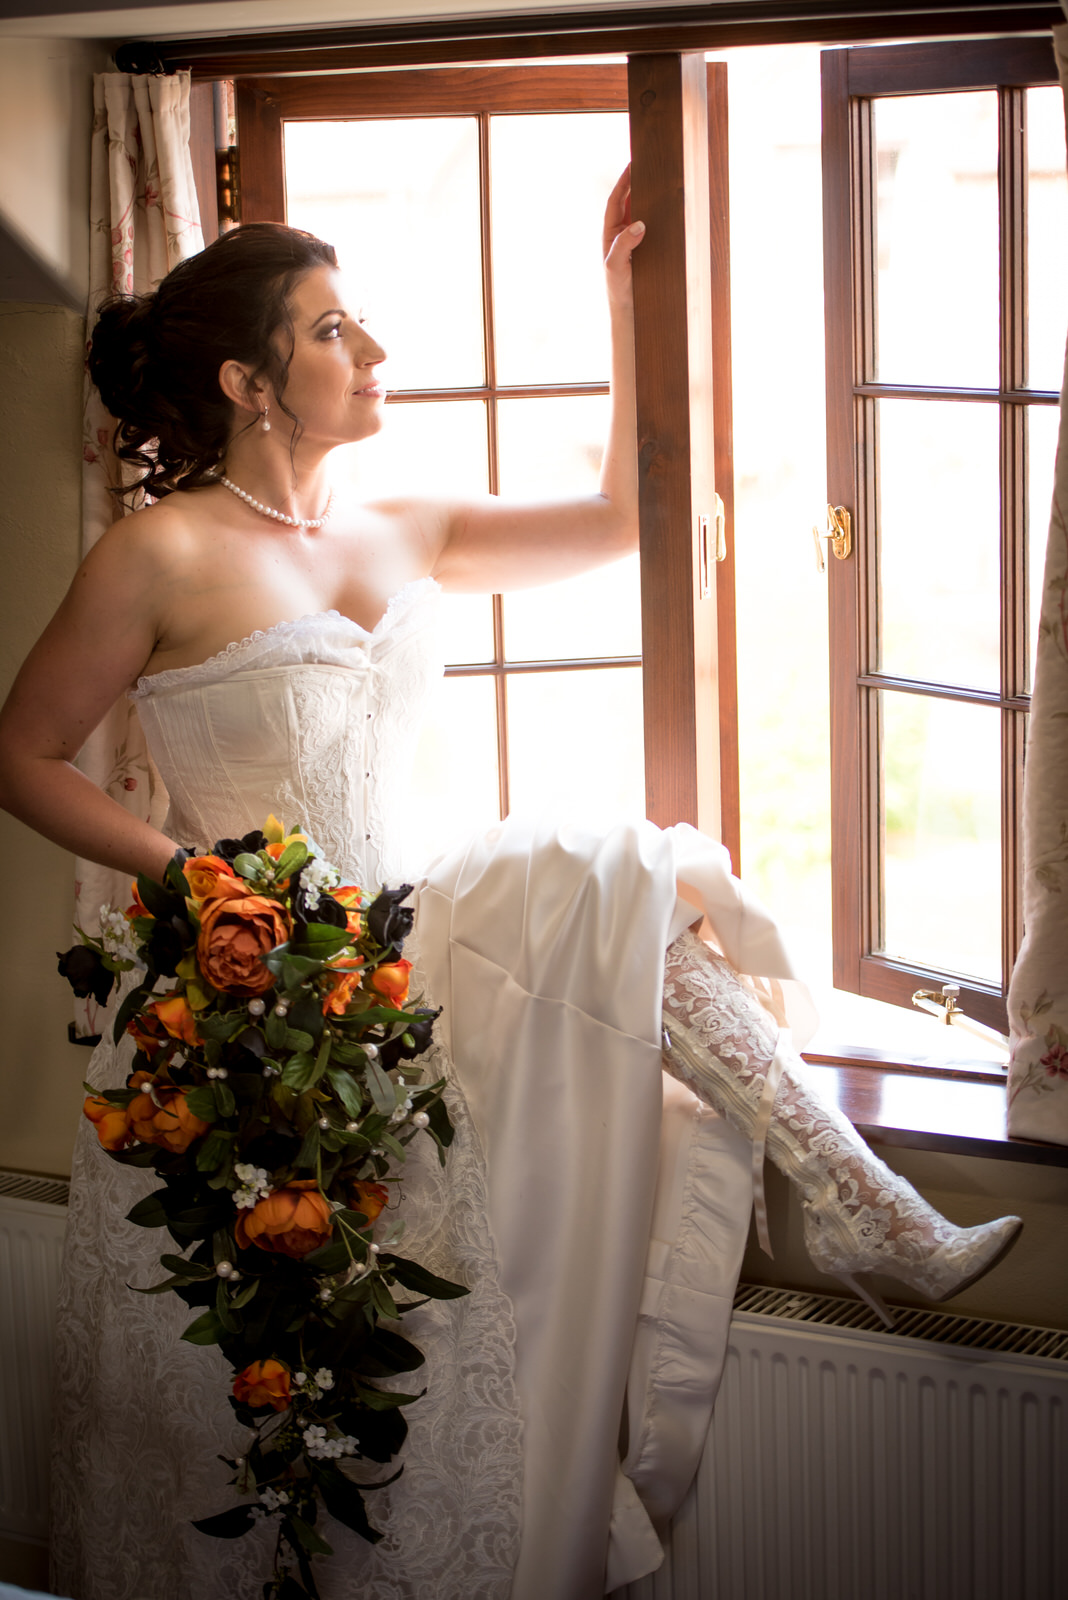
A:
314, 720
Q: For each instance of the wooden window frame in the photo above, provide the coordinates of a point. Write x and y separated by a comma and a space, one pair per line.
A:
852, 81
688, 631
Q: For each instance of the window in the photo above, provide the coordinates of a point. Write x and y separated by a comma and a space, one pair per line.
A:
499, 380
942, 370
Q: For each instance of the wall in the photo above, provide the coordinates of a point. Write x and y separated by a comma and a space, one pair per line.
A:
46, 100
1030, 1285
41, 353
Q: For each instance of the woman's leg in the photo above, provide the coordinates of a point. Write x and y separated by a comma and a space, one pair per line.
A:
859, 1216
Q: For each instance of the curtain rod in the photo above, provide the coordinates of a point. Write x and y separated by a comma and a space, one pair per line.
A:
601, 32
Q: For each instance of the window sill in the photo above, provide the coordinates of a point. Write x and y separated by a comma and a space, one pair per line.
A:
917, 1109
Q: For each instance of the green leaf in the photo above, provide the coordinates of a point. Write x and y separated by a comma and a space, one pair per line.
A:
246, 865
387, 1141
329, 1258
224, 1097
291, 860
275, 1031
299, 1072
346, 1088
245, 1294
175, 879
297, 1039
130, 1007
440, 1126
419, 1280
201, 1102
149, 1212
309, 1150
223, 1310
343, 1500
379, 1400
158, 901
383, 1301
383, 1092
221, 1026
309, 1539
205, 1330
230, 1524
214, 1150
189, 1269
320, 941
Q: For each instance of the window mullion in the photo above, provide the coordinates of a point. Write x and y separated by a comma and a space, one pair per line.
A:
489, 346
1015, 654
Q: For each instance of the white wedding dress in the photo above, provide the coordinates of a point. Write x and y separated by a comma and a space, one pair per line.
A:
596, 1209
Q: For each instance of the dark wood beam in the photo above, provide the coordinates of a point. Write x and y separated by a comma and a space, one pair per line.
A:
676, 488
628, 30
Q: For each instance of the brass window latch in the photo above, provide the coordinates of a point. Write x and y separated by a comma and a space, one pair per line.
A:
839, 536
942, 1003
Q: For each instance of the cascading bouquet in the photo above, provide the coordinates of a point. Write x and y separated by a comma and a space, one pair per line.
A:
275, 1095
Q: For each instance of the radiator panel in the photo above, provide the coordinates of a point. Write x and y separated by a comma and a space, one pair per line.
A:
863, 1466
31, 1248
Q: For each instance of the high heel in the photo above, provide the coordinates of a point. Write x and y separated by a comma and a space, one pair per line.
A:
859, 1216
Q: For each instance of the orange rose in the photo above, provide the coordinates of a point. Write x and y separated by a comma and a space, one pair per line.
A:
349, 897
211, 878
138, 908
148, 1033
369, 1198
263, 1383
176, 1016
291, 1222
234, 934
391, 981
112, 1129
169, 1123
343, 986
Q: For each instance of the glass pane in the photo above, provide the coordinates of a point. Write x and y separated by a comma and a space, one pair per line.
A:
436, 449
1043, 423
466, 628
399, 201
552, 448
585, 766
941, 834
597, 614
1047, 238
550, 178
454, 787
939, 541
937, 194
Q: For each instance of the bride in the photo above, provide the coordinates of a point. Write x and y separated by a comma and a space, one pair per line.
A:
277, 638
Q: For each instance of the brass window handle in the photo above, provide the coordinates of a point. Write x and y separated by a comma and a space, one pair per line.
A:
942, 1003
839, 536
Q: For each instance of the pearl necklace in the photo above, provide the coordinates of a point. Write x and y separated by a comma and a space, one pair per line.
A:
279, 516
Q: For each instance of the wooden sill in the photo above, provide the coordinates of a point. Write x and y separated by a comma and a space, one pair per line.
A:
916, 1109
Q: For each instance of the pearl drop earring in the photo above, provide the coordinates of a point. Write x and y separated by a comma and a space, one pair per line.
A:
265, 426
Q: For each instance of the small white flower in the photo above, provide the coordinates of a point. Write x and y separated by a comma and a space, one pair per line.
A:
117, 936
273, 1498
255, 1185
324, 1378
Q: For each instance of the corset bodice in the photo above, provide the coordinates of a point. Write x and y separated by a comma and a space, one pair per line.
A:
313, 720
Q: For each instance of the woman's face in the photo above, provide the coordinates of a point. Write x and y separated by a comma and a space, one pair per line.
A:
331, 386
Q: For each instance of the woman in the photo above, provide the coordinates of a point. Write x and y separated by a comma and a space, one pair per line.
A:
277, 634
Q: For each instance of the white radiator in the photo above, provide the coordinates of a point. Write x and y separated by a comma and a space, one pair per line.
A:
33, 1217
845, 1463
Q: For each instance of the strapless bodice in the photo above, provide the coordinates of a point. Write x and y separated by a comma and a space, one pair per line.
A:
313, 719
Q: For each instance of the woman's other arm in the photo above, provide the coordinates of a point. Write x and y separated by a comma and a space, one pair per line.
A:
492, 545
92, 650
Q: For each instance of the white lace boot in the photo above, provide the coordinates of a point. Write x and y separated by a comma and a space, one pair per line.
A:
858, 1215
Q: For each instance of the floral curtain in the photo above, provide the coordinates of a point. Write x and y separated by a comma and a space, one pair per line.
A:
1038, 993
144, 219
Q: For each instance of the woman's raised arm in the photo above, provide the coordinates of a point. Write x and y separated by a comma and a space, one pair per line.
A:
93, 649
492, 545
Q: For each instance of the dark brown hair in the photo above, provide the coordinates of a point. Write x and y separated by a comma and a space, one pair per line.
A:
155, 358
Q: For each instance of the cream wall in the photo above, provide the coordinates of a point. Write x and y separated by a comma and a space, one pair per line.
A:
46, 101
41, 354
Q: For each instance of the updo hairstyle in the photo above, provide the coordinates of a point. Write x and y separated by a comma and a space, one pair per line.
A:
155, 358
